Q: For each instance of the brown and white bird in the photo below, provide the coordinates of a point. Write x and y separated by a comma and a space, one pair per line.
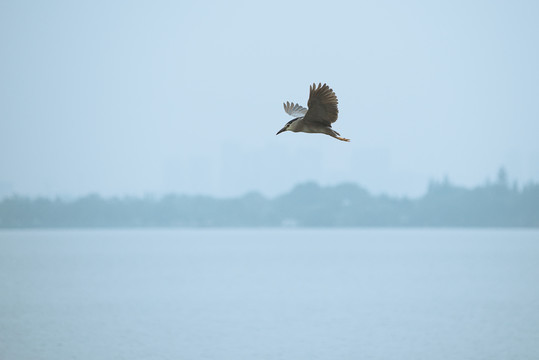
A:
318, 118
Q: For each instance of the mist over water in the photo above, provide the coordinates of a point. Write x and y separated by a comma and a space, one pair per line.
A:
273, 294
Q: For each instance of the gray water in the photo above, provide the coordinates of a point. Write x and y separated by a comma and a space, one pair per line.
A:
269, 294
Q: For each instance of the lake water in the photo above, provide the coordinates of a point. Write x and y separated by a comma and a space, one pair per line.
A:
269, 294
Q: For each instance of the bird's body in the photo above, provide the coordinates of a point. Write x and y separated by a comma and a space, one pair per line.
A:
322, 112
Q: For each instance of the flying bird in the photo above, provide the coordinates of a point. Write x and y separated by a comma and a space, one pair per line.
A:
318, 118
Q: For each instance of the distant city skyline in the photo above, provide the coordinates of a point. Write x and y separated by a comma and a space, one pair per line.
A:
134, 98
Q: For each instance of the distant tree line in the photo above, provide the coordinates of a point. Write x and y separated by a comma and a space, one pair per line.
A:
494, 204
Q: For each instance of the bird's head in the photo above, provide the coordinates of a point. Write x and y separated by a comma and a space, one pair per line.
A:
289, 126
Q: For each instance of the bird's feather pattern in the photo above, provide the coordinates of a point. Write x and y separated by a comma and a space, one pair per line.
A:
294, 109
322, 105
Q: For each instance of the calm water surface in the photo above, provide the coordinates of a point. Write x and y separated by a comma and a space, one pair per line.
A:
269, 294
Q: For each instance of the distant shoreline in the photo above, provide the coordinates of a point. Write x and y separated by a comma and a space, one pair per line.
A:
308, 205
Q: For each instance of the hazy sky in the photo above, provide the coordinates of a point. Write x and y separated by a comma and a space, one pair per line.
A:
141, 97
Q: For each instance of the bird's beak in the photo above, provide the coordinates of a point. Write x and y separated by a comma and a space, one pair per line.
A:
280, 131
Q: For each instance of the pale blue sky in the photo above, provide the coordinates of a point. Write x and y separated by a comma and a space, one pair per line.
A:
143, 97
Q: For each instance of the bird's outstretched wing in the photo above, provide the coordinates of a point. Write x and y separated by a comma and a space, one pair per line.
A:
294, 109
322, 105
